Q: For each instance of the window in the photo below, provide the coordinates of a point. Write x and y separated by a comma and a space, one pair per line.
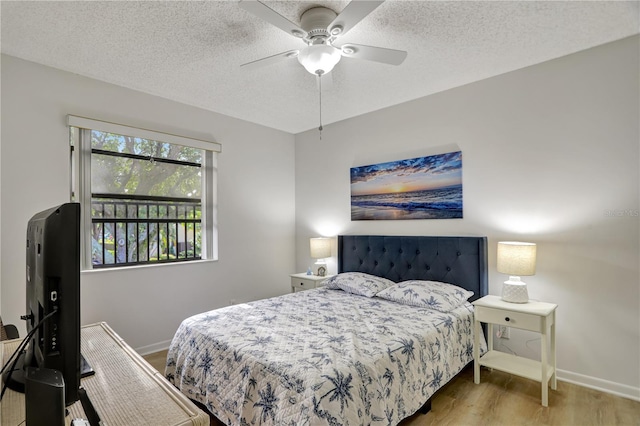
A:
147, 197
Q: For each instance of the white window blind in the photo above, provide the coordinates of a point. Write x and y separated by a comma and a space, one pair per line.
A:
121, 129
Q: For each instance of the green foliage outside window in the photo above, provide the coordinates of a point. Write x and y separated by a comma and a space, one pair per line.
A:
146, 203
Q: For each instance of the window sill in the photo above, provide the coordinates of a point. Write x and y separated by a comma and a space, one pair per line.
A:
158, 265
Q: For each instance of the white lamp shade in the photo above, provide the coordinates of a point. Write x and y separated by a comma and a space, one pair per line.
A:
319, 58
320, 247
516, 258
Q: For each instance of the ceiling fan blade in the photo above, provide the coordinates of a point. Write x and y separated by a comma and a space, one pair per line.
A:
271, 16
355, 12
371, 53
271, 59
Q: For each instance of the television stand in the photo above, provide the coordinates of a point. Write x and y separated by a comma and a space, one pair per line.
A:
119, 402
15, 379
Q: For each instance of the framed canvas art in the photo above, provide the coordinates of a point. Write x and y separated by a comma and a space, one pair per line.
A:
417, 188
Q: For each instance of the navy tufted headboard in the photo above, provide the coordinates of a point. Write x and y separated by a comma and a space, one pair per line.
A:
457, 260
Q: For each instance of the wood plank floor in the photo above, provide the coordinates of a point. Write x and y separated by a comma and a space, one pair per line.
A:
503, 399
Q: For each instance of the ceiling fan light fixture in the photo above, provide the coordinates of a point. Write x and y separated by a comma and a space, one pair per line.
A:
336, 30
319, 59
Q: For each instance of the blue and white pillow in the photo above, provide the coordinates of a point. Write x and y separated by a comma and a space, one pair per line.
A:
357, 283
435, 295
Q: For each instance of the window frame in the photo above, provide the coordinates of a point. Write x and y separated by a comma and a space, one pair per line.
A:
80, 143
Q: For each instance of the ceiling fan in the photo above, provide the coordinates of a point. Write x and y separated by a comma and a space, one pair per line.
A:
319, 29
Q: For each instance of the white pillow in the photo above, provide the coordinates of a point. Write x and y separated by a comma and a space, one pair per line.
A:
442, 297
358, 283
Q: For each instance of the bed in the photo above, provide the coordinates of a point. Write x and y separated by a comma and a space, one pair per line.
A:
346, 355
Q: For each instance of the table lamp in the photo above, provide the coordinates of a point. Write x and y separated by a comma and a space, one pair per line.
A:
516, 259
320, 249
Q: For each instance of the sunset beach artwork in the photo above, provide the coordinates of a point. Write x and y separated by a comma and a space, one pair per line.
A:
417, 188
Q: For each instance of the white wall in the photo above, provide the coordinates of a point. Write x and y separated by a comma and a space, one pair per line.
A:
145, 305
547, 152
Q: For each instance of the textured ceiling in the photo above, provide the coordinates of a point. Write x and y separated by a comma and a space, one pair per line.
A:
191, 51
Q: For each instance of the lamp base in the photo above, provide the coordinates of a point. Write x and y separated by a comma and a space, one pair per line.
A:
515, 291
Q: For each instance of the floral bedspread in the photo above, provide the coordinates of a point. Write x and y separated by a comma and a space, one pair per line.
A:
319, 357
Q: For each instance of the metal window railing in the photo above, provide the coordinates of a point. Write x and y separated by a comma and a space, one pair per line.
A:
133, 230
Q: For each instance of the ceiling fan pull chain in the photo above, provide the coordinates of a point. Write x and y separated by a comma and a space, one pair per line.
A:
320, 87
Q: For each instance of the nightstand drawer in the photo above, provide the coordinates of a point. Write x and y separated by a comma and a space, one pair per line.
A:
302, 284
509, 318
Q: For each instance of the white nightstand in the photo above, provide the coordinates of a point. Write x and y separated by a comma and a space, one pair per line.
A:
534, 316
303, 281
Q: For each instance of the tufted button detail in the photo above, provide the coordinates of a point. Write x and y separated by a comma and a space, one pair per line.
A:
448, 269
428, 267
458, 253
375, 263
392, 265
417, 251
384, 249
354, 248
400, 250
361, 262
368, 248
409, 266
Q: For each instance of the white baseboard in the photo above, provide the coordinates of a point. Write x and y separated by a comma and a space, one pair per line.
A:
156, 347
601, 385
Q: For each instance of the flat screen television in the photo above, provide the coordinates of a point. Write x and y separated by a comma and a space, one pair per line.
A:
53, 299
